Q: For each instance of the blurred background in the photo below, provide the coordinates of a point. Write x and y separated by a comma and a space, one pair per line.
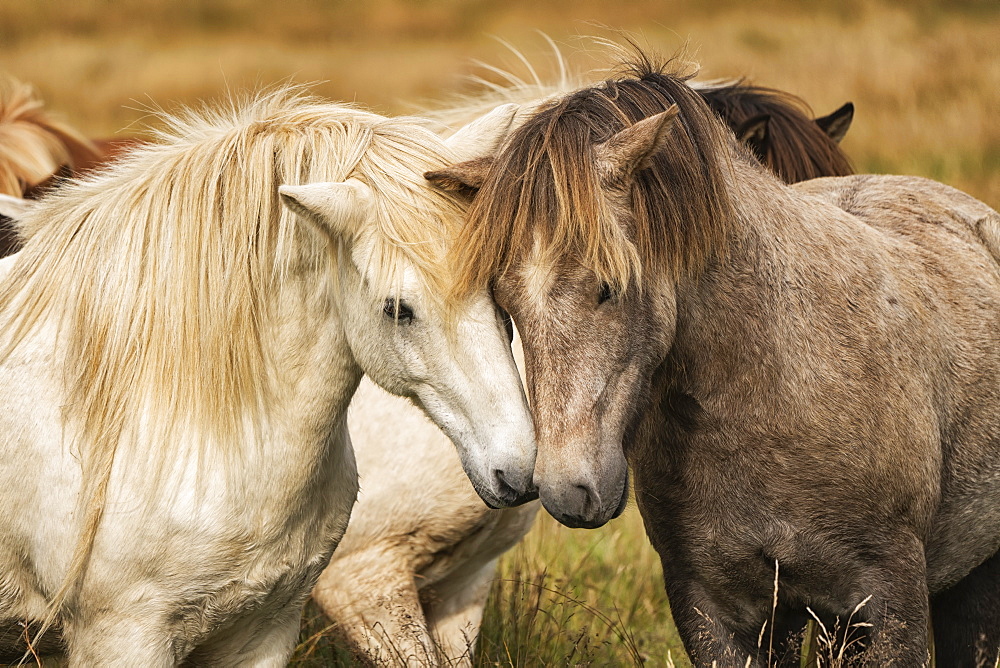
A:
924, 76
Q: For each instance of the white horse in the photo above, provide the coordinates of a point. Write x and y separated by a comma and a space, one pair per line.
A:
177, 353
409, 582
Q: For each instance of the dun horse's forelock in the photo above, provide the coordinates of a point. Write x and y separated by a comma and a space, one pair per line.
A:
545, 188
797, 149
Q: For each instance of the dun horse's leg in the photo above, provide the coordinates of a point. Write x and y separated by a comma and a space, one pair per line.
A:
708, 640
785, 645
967, 619
897, 611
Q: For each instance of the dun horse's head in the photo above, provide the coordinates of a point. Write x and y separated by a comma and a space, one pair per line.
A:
574, 227
453, 360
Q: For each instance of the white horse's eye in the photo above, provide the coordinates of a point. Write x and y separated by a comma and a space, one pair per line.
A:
398, 310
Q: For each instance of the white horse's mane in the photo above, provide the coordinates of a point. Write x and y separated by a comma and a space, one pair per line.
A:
160, 270
523, 83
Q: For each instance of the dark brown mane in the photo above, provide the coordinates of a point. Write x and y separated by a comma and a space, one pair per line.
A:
545, 185
796, 149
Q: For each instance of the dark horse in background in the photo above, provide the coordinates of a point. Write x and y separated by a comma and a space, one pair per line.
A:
775, 126
804, 380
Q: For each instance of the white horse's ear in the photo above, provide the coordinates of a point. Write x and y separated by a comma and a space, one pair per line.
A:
482, 137
14, 208
633, 148
336, 207
475, 144
464, 178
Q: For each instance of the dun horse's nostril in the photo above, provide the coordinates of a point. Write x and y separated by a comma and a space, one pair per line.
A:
591, 503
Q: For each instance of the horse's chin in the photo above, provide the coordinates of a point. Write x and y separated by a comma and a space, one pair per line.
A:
623, 501
578, 522
503, 498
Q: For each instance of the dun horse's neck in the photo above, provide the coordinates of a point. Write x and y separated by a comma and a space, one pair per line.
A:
737, 301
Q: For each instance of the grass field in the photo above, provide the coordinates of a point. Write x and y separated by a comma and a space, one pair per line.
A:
924, 76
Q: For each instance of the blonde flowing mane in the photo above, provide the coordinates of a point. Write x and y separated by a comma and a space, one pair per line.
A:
521, 84
160, 271
33, 145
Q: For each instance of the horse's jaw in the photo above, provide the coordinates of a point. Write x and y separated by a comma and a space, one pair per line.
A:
463, 376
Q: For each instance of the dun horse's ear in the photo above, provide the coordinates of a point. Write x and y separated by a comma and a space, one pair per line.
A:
14, 208
335, 208
464, 178
483, 135
836, 124
753, 131
633, 148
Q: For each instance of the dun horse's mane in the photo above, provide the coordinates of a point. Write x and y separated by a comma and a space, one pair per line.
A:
798, 149
159, 271
544, 187
33, 145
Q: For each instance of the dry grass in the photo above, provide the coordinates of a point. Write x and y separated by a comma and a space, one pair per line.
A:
924, 75
562, 597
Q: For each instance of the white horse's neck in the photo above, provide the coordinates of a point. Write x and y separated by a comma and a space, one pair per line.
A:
293, 481
303, 454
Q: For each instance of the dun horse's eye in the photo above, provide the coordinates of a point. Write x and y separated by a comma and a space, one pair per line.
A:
606, 293
397, 309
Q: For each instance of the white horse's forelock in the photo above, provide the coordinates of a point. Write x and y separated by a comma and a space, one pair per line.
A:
159, 271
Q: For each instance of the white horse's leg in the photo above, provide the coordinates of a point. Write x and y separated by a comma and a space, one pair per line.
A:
372, 597
124, 638
267, 647
454, 610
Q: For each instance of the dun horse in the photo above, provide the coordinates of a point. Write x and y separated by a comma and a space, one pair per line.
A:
409, 582
178, 354
804, 380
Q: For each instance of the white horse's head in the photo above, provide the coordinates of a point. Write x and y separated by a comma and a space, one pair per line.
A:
453, 360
